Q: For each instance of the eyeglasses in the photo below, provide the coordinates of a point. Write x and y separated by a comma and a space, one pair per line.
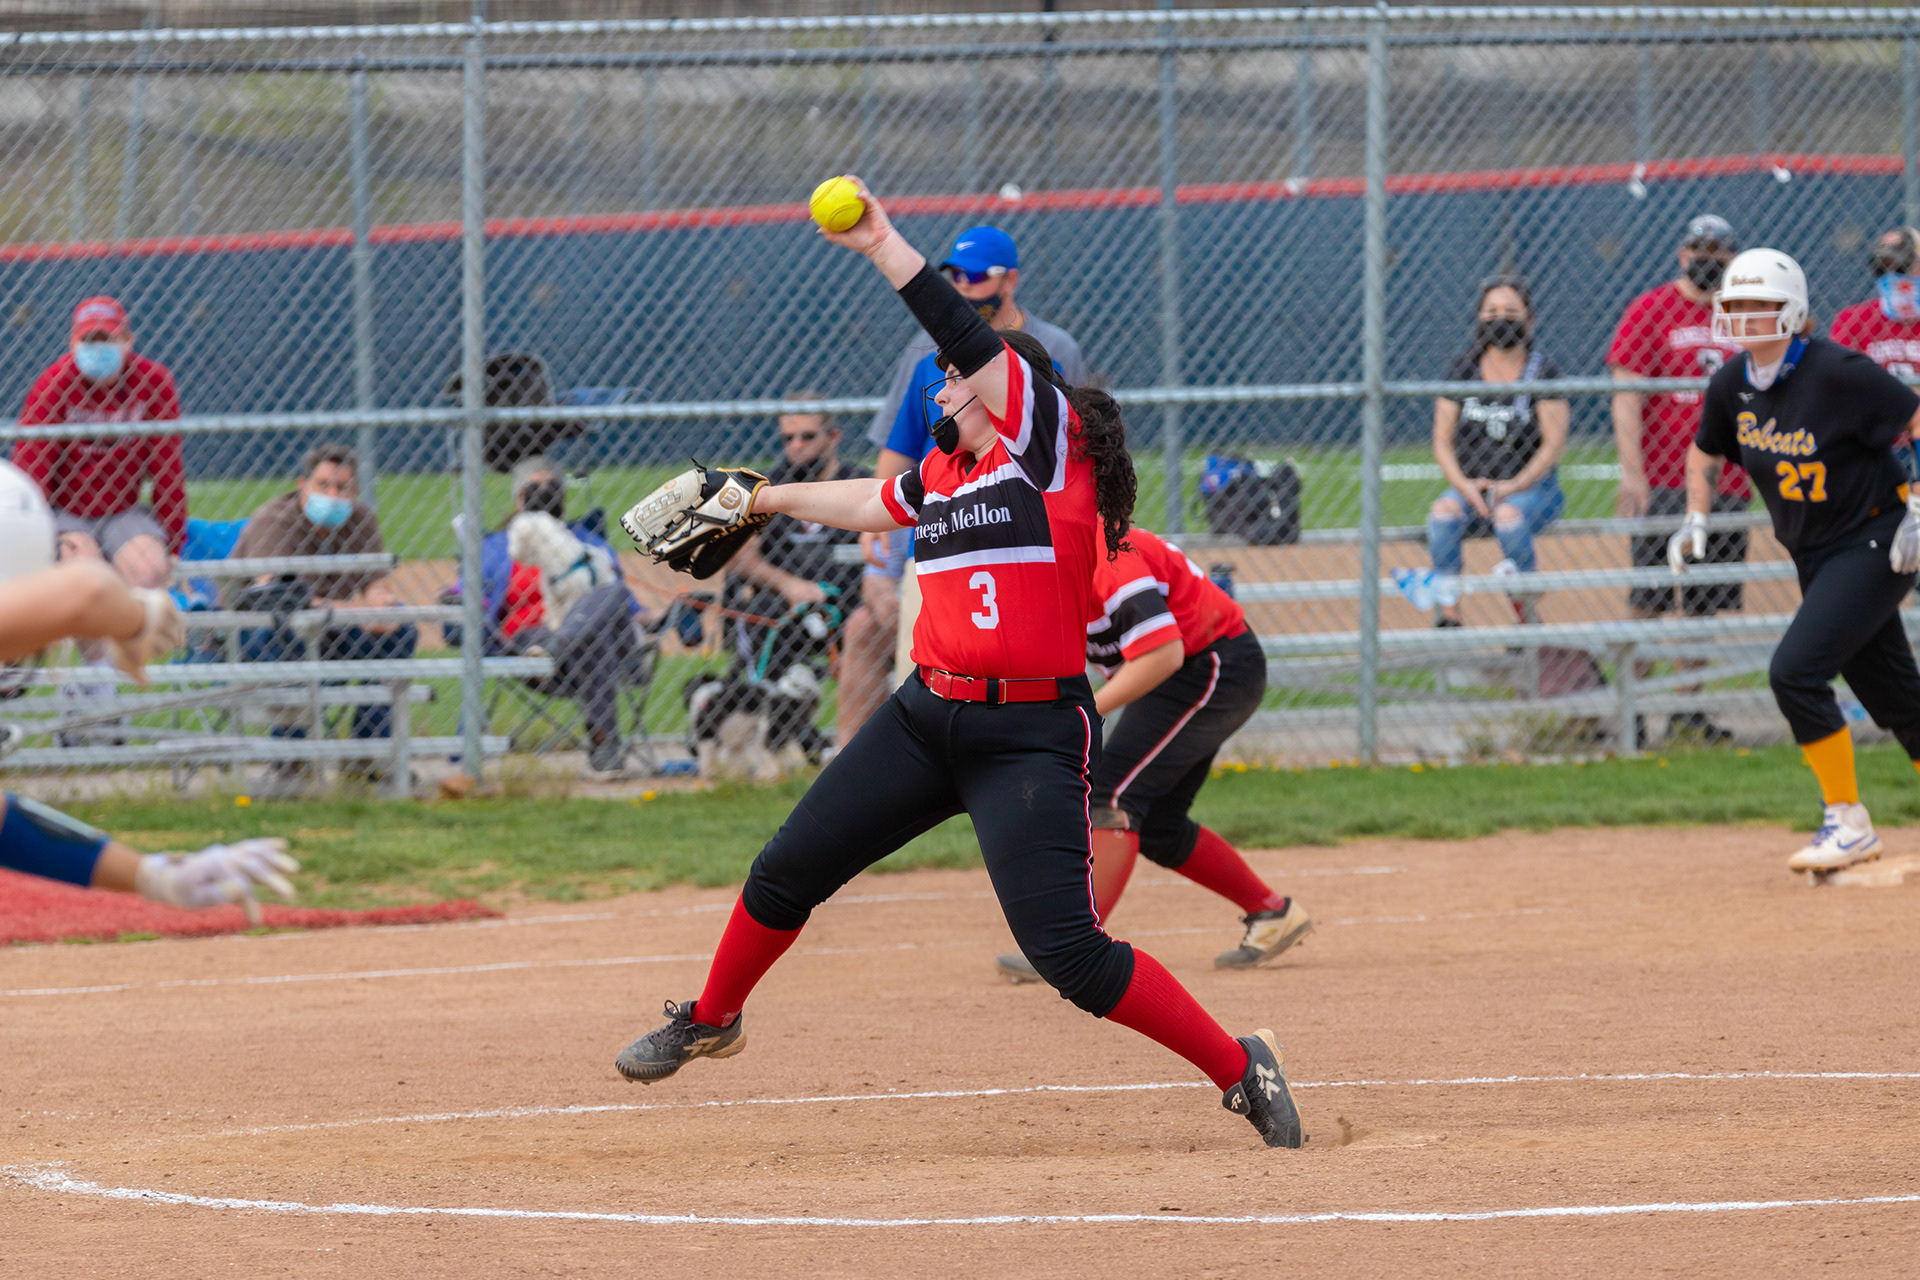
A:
961, 276
804, 436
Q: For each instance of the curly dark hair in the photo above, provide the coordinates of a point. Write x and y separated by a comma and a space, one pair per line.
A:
1102, 438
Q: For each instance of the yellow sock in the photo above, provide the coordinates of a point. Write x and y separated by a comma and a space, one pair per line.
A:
1831, 760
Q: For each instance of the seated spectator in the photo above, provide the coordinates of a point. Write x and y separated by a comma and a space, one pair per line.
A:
94, 485
790, 573
322, 516
592, 635
1497, 452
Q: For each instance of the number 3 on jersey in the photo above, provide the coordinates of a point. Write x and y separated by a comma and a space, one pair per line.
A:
1814, 474
990, 617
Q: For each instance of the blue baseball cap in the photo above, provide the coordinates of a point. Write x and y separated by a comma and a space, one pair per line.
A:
978, 248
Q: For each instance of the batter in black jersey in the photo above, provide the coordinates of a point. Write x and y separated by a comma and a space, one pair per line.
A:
1824, 432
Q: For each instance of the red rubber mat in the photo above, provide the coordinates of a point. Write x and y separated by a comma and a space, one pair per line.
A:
36, 910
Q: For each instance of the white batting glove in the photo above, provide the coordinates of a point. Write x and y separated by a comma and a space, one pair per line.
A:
1903, 553
1689, 542
159, 636
219, 873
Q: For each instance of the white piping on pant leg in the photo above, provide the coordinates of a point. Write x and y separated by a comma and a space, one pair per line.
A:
1213, 683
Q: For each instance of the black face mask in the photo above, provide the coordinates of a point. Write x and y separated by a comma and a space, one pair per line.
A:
1705, 271
549, 497
988, 307
1501, 332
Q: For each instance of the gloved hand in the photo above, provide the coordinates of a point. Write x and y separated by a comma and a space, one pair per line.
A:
1903, 553
219, 873
1689, 542
160, 635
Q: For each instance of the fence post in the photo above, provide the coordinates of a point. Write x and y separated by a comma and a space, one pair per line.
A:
1303, 116
82, 162
1373, 358
473, 387
366, 443
1171, 444
1910, 128
130, 154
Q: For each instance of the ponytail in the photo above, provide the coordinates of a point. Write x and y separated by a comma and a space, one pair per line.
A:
1101, 439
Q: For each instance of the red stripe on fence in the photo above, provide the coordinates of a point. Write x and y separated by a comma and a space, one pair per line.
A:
1038, 201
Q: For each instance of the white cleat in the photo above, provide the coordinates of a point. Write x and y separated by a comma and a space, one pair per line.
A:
1845, 837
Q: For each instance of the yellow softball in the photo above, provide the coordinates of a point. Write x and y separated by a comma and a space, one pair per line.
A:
836, 204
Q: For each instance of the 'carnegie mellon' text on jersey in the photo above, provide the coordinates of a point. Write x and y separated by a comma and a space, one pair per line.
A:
1819, 442
1004, 546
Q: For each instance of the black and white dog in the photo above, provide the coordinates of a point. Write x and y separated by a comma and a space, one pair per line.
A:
740, 726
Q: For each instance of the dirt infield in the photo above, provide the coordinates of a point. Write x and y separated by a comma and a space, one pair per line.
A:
1584, 1053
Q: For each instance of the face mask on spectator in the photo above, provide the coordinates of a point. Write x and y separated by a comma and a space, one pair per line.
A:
1899, 296
98, 361
1705, 271
549, 497
327, 511
1501, 332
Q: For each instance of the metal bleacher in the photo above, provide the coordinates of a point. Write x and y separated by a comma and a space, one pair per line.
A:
209, 706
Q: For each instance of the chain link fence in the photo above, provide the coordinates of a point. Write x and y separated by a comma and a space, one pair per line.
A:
1267, 229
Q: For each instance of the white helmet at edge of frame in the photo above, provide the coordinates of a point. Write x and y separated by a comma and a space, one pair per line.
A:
1762, 275
26, 525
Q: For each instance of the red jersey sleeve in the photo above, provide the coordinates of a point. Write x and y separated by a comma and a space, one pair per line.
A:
168, 469
1035, 424
902, 496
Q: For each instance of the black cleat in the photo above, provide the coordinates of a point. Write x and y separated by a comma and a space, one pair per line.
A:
1262, 1095
664, 1050
1268, 934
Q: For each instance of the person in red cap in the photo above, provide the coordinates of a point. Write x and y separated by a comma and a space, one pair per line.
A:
94, 484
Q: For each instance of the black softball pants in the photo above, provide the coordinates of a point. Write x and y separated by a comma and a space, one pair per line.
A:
1159, 755
1020, 770
1849, 625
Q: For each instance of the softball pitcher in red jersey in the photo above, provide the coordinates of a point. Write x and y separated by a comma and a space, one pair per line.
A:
1030, 489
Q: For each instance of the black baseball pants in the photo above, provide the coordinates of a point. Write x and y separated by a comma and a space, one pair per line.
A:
1849, 625
1020, 770
1161, 752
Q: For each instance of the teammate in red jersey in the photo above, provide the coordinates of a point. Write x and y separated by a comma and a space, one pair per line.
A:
1031, 486
1887, 326
1178, 655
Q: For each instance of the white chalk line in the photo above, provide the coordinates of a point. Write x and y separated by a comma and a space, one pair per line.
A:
54, 1178
529, 1112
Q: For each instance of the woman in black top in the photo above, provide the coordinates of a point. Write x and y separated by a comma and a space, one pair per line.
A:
1497, 452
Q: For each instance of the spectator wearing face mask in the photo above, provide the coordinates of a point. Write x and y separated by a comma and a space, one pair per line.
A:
1498, 452
1887, 326
322, 516
1668, 333
94, 484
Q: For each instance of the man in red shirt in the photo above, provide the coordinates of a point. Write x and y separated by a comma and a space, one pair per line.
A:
1668, 333
94, 485
1887, 327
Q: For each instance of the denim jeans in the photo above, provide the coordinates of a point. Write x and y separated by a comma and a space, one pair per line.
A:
1538, 506
265, 644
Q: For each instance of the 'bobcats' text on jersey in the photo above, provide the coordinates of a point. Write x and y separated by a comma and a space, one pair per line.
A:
1004, 546
1152, 595
1819, 442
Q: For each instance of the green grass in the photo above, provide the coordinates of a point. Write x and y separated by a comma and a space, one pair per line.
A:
367, 852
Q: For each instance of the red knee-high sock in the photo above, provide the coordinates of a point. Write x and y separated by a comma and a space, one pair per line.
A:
1114, 853
746, 951
1159, 1008
1217, 865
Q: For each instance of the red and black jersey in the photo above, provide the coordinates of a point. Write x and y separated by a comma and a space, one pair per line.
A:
1153, 594
1004, 545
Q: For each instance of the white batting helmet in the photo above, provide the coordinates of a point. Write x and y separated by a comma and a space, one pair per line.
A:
26, 525
1762, 275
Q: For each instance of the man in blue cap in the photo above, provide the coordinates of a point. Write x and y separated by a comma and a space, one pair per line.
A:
985, 267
